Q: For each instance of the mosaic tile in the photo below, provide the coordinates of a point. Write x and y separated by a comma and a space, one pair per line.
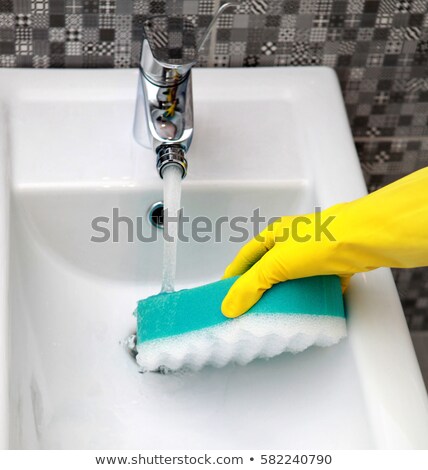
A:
412, 286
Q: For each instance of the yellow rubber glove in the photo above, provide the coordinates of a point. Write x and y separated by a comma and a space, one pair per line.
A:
388, 228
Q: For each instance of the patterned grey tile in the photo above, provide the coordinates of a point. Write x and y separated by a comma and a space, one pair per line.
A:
412, 285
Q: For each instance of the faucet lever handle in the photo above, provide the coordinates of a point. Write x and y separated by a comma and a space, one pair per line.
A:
172, 41
171, 47
207, 33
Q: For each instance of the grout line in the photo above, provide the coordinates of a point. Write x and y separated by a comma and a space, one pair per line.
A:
389, 139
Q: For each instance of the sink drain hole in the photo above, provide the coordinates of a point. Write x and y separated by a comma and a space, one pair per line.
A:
155, 214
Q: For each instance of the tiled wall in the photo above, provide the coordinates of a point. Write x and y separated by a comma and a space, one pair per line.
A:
378, 48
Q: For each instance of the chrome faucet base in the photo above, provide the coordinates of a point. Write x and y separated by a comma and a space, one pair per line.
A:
164, 114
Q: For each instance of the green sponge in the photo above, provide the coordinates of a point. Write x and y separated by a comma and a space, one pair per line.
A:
173, 327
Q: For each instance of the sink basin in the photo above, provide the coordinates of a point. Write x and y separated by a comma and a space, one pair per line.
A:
276, 140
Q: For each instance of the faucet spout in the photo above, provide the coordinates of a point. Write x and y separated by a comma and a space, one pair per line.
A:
171, 155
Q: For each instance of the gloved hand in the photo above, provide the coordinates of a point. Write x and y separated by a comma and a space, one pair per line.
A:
388, 228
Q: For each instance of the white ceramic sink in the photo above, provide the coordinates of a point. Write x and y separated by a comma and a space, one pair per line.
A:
274, 139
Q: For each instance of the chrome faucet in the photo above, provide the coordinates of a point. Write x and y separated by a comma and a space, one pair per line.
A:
164, 110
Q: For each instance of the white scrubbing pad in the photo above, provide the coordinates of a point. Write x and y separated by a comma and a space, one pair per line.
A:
240, 341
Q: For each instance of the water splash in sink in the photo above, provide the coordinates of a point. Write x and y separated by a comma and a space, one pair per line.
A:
172, 200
